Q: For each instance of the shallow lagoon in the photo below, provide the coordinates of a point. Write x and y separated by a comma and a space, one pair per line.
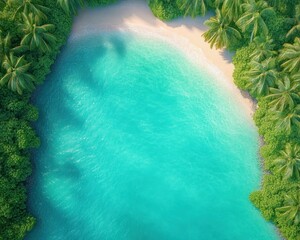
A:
139, 143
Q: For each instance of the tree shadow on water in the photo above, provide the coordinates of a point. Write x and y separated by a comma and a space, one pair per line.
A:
56, 108
56, 94
102, 46
57, 219
118, 44
54, 222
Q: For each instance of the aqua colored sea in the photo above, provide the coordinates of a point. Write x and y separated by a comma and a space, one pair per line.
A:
139, 143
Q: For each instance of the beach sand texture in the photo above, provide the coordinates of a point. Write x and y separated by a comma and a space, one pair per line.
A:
183, 33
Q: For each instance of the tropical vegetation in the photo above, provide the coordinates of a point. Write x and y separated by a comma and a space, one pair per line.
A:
16, 76
36, 36
291, 210
265, 36
220, 33
31, 35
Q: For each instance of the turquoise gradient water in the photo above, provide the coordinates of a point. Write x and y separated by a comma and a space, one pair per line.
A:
139, 143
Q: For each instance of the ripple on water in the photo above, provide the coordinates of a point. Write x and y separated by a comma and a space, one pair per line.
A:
139, 143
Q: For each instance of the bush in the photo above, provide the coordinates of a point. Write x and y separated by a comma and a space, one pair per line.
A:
165, 9
241, 62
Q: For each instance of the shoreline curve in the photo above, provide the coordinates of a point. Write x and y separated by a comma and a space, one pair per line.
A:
183, 33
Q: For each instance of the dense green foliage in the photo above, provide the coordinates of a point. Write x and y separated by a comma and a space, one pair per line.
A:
221, 33
165, 9
266, 37
267, 65
17, 137
31, 34
21, 70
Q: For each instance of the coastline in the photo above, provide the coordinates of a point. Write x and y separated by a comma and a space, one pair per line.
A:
183, 33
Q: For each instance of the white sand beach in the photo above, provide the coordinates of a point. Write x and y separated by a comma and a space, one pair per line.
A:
184, 33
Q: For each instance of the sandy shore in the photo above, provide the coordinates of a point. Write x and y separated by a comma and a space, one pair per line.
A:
185, 34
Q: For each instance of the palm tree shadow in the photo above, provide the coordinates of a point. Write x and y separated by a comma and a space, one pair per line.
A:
59, 219
191, 23
81, 67
46, 211
61, 100
227, 55
56, 100
90, 56
118, 44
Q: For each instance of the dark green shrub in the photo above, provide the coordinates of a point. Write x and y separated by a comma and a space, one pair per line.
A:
165, 9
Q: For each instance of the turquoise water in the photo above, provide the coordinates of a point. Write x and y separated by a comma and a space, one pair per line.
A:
139, 143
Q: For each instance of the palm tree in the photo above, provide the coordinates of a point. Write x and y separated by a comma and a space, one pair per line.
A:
193, 7
233, 8
290, 212
286, 95
220, 32
290, 56
289, 161
252, 18
276, 3
261, 77
214, 3
296, 27
16, 75
36, 36
27, 6
70, 6
296, 78
264, 48
5, 46
288, 119
2, 4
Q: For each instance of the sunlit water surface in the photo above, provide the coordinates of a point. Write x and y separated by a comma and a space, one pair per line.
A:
139, 143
